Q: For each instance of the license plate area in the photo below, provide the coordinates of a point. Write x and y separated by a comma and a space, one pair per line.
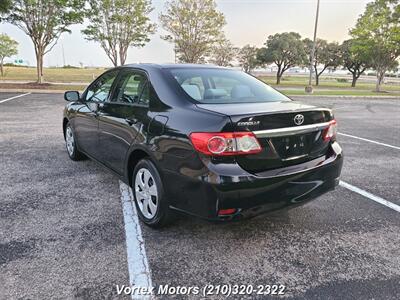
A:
292, 147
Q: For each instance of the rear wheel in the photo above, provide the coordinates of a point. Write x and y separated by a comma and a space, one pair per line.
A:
70, 144
151, 204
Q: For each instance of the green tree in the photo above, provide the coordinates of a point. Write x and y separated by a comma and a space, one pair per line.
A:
5, 5
44, 22
377, 36
354, 61
118, 25
8, 47
327, 55
194, 27
286, 50
247, 57
223, 52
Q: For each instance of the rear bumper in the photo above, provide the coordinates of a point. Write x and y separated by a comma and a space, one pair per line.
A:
230, 186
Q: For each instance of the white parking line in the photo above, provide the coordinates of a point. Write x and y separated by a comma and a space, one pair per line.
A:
15, 97
138, 266
370, 196
367, 140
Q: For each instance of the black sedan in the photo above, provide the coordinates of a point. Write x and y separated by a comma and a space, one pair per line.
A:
207, 141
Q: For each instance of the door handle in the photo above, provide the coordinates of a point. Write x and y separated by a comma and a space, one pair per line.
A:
131, 121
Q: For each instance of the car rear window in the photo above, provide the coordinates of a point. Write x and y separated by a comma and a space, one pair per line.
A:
224, 86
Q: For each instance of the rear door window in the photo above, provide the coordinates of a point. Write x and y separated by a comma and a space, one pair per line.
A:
132, 88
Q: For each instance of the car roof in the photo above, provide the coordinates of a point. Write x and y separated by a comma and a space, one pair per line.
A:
151, 66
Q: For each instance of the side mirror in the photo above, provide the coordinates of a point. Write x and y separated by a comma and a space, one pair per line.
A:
71, 96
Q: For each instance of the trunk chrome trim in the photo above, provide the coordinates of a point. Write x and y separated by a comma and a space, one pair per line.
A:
294, 157
286, 131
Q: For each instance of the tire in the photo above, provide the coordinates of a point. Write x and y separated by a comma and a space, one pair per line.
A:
70, 144
151, 203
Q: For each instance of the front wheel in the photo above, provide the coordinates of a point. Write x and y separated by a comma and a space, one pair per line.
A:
70, 144
150, 200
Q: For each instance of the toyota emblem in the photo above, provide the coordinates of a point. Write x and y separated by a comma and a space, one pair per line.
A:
298, 119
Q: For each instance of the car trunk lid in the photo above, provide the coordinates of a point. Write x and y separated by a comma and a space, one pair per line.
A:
288, 132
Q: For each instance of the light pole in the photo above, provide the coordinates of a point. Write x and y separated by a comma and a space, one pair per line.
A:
63, 54
309, 88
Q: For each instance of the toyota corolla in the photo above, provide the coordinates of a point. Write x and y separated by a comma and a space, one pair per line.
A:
207, 141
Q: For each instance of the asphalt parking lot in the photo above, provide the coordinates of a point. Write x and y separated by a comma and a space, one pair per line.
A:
63, 235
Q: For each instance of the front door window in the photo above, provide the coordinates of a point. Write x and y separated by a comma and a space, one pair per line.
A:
100, 90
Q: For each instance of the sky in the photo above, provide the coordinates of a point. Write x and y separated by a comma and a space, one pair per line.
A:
248, 22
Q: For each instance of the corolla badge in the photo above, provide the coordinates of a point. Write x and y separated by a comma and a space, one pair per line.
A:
298, 119
248, 123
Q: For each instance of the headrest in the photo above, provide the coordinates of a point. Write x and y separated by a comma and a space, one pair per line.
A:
214, 93
241, 91
192, 90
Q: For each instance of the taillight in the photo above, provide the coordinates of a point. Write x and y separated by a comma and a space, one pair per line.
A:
329, 133
225, 143
227, 211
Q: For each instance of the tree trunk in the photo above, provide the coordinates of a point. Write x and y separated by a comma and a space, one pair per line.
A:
355, 77
122, 58
39, 67
278, 78
278, 75
113, 57
39, 51
316, 75
111, 53
379, 78
1, 68
122, 55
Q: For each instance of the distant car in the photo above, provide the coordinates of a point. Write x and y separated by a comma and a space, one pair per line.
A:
207, 141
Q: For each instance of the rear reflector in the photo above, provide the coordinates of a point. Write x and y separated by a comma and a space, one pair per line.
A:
329, 133
225, 212
225, 143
